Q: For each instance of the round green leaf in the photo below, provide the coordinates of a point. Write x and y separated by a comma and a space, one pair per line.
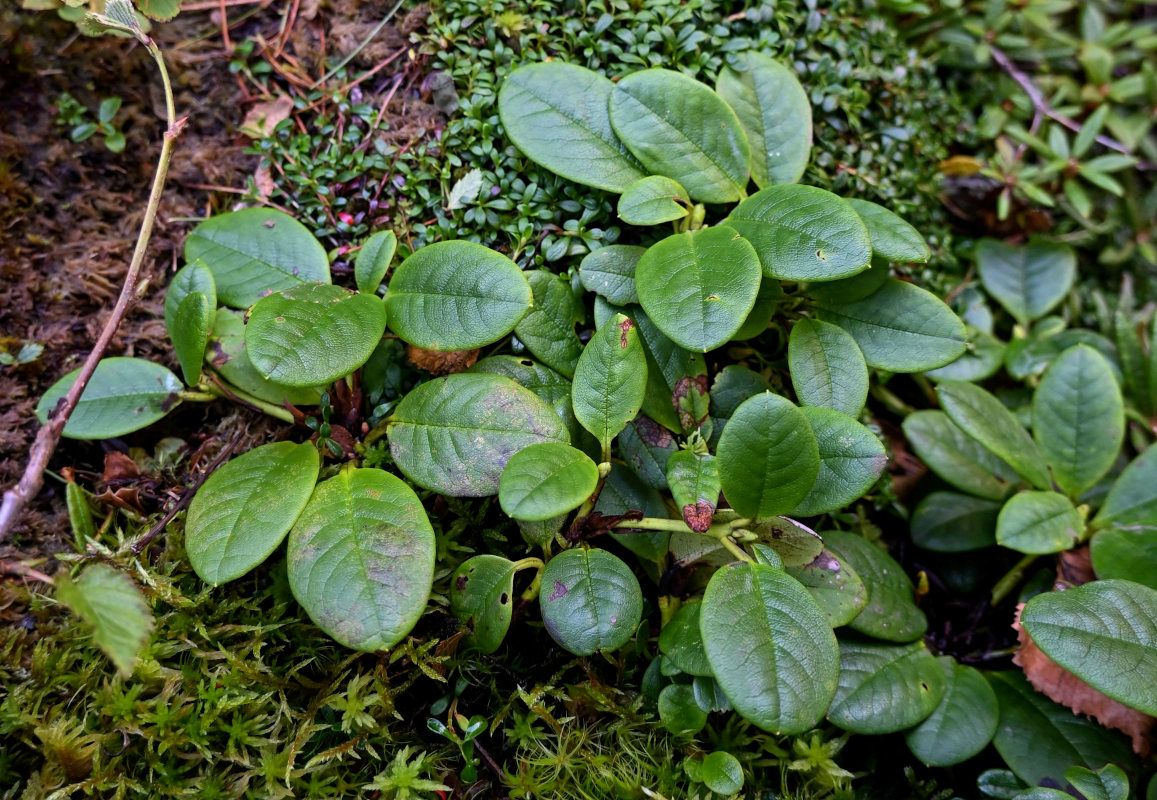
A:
891, 613
679, 712
454, 435
193, 277
373, 260
361, 558
241, 514
963, 723
1078, 418
591, 601
770, 647
699, 286
731, 387
544, 480
794, 543
1132, 502
482, 597
768, 457
885, 688
123, 395
548, 329
1126, 554
1108, 783
653, 200
694, 482
722, 773
851, 461
827, 367
679, 128
1029, 281
956, 457
192, 325
759, 318
802, 233
610, 272
900, 327
985, 419
1105, 633
857, 287
256, 251
456, 295
947, 522
313, 335
557, 115
646, 446
709, 694
775, 114
1039, 739
834, 585
892, 237
610, 380
682, 643
1038, 523
550, 386
227, 355
983, 359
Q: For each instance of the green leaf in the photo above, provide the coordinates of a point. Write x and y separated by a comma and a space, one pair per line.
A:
676, 378
851, 461
361, 558
834, 585
256, 251
160, 10
653, 200
1132, 502
625, 491
590, 600
481, 596
454, 435
759, 318
985, 419
193, 277
963, 723
768, 457
110, 603
983, 359
679, 712
827, 367
548, 329
243, 511
456, 295
770, 647
681, 641
900, 327
699, 286
1108, 783
722, 773
679, 128
956, 457
694, 482
892, 237
313, 335
849, 290
373, 260
802, 233
885, 688
557, 115
732, 386
1029, 281
227, 355
192, 325
1000, 783
646, 446
1038, 523
1078, 418
79, 516
1126, 554
947, 522
795, 544
891, 613
123, 395
775, 114
610, 272
1105, 633
550, 386
544, 480
610, 380
1039, 739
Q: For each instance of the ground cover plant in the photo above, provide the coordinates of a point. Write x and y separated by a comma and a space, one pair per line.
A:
649, 487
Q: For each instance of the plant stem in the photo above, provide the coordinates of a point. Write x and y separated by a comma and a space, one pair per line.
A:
230, 392
1011, 579
655, 524
199, 397
49, 435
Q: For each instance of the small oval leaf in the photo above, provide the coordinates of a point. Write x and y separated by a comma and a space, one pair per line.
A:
610, 380
892, 237
192, 325
1030, 280
834, 585
591, 601
123, 395
610, 272
947, 522
963, 723
373, 260
652, 201
548, 329
827, 368
956, 457
681, 641
851, 461
193, 277
891, 613
885, 688
1038, 523
482, 597
544, 480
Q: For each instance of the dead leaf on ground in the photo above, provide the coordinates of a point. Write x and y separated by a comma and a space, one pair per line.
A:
263, 117
119, 468
1064, 687
125, 497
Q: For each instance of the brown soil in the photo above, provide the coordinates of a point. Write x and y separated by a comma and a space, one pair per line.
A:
69, 212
